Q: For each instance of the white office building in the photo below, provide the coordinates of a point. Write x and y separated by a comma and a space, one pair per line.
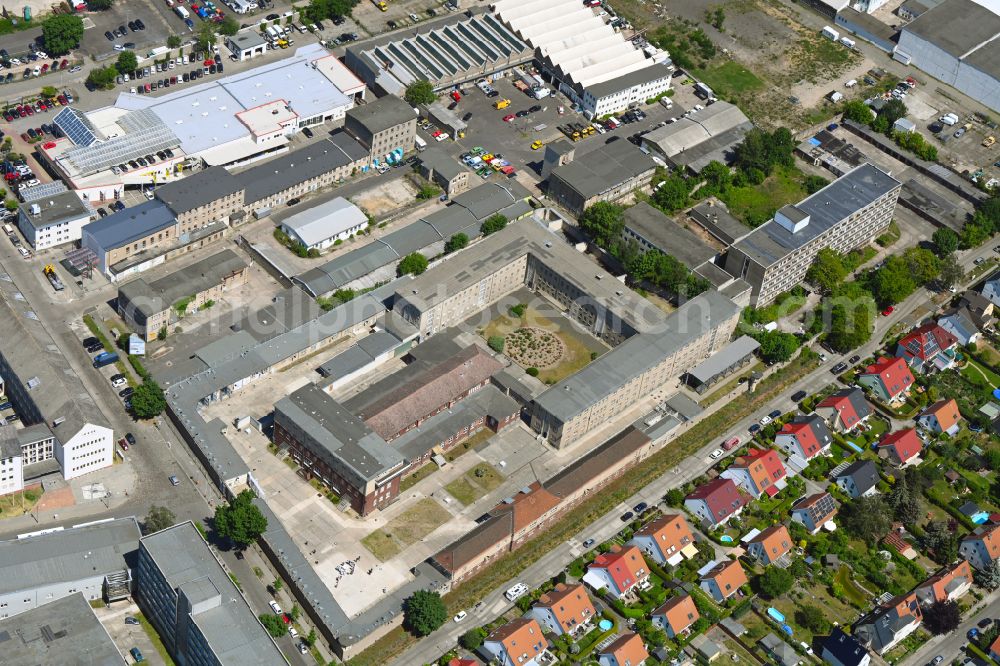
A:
90, 448
52, 221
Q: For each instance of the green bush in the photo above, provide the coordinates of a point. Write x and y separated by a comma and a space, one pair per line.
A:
496, 343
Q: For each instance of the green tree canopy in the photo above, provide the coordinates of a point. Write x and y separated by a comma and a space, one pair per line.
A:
205, 37
776, 346
812, 618
763, 151
420, 92
173, 41
99, 5
324, 9
127, 62
867, 518
229, 26
472, 639
240, 521
945, 241
102, 77
827, 270
893, 110
893, 282
456, 243
148, 400
412, 264
941, 542
717, 176
988, 577
493, 224
274, 624
814, 184
424, 612
61, 33
923, 264
859, 112
672, 193
604, 222
158, 518
775, 582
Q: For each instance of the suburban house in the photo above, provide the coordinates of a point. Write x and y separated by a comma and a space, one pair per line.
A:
676, 616
844, 410
840, 649
960, 323
995, 650
667, 540
887, 625
981, 548
619, 571
928, 348
814, 510
782, 653
991, 291
626, 650
941, 418
722, 580
981, 309
901, 447
948, 584
769, 546
859, 479
517, 643
888, 379
565, 610
803, 438
759, 471
716, 501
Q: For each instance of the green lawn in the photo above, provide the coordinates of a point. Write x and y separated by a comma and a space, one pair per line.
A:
418, 476
476, 483
755, 204
155, 639
975, 371
729, 78
407, 528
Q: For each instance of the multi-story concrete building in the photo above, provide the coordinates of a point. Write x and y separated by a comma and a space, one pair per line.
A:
198, 611
54, 220
213, 195
147, 307
11, 474
21, 449
386, 127
846, 214
610, 173
63, 631
93, 560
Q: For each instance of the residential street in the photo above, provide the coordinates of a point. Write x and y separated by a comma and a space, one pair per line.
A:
951, 645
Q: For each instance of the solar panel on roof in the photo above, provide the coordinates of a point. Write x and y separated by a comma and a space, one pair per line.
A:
438, 56
496, 41
148, 135
451, 50
76, 126
465, 46
424, 60
487, 50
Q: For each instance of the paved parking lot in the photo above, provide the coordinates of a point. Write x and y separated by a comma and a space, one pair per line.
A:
160, 23
127, 636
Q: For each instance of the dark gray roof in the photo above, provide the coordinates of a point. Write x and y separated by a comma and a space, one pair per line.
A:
65, 631
383, 113
441, 163
10, 447
715, 274
717, 220
359, 355
158, 295
956, 26
667, 235
130, 224
604, 168
288, 310
717, 148
229, 626
56, 208
67, 556
315, 159
864, 473
625, 81
771, 242
782, 652
343, 439
845, 649
731, 354
198, 189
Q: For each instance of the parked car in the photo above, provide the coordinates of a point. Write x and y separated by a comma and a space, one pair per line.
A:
516, 591
136, 655
839, 368
854, 359
640, 508
888, 311
798, 396
131, 620
274, 606
461, 615
775, 413
174, 481
627, 516
754, 428
715, 455
588, 543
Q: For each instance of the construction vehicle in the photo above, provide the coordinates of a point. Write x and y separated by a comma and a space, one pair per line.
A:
50, 273
501, 104
989, 141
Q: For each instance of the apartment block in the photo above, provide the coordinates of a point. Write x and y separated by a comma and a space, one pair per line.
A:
386, 127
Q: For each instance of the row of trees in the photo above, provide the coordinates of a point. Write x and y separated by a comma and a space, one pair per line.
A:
884, 122
319, 10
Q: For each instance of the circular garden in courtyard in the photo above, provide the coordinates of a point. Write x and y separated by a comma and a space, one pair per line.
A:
532, 347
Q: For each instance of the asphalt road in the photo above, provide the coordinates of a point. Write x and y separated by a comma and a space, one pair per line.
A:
951, 646
430, 648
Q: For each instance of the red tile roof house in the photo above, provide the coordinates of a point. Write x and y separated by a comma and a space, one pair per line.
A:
803, 438
814, 510
995, 650
901, 448
948, 584
927, 348
676, 616
889, 379
517, 643
771, 545
667, 540
759, 471
844, 410
620, 572
981, 548
565, 610
716, 501
626, 650
722, 580
456, 661
941, 418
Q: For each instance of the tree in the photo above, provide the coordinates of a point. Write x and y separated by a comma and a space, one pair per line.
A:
61, 33
892, 111
493, 224
924, 266
277, 585
100, 5
228, 26
893, 282
50, 91
274, 624
850, 311
174, 41
940, 542
904, 503
148, 400
814, 184
127, 62
777, 347
717, 176
311, 638
942, 617
674, 497
989, 577
457, 242
604, 222
420, 92
158, 518
827, 270
412, 264
102, 77
812, 618
473, 639
424, 612
205, 37
859, 112
240, 521
952, 274
867, 518
672, 193
428, 191
496, 343
775, 582
945, 241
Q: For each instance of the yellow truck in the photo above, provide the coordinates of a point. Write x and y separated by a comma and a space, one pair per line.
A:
989, 141
501, 104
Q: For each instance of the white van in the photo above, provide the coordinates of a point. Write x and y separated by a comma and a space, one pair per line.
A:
516, 592
7, 229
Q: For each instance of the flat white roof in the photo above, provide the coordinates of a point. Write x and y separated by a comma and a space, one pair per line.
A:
322, 222
345, 80
267, 118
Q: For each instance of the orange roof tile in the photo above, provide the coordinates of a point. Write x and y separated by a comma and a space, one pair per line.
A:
570, 605
729, 573
775, 540
670, 531
628, 650
946, 412
522, 636
939, 582
680, 613
528, 507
